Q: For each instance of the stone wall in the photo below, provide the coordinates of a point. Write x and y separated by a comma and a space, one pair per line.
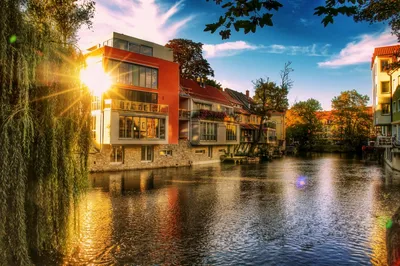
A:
183, 154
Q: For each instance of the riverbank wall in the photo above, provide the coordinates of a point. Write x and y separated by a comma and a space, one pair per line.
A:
160, 156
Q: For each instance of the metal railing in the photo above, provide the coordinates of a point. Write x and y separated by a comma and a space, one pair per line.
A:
383, 141
125, 105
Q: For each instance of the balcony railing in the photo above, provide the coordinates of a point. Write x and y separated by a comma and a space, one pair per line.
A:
125, 105
184, 114
383, 141
203, 114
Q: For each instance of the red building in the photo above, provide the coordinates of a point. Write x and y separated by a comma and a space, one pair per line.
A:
138, 113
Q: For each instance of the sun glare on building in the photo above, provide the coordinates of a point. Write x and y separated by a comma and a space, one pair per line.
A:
95, 78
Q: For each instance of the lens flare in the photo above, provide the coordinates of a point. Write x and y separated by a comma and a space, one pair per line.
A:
95, 78
13, 38
301, 182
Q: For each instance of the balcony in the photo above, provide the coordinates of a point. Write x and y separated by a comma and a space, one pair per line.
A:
124, 105
184, 114
246, 139
203, 114
384, 142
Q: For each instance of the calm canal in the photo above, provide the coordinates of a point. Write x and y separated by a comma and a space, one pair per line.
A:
319, 210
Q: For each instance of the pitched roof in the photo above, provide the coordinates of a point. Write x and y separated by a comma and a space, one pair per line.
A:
384, 50
230, 98
246, 101
208, 93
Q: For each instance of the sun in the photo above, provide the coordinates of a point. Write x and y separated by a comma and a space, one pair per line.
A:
95, 78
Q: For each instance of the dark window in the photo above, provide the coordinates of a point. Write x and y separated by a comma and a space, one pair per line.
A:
230, 132
385, 87
146, 50
93, 127
131, 74
385, 108
117, 155
120, 44
147, 153
384, 65
208, 131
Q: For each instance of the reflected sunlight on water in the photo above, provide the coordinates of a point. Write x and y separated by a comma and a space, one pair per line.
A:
321, 210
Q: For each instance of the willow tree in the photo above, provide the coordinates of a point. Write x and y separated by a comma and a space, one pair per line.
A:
44, 131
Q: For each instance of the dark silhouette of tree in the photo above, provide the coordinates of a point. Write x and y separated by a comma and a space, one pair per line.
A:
189, 55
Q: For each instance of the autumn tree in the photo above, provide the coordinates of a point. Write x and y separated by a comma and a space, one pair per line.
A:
304, 123
189, 55
270, 97
351, 119
249, 15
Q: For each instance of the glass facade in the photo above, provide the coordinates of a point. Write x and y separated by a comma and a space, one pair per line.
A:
132, 74
132, 95
129, 46
135, 127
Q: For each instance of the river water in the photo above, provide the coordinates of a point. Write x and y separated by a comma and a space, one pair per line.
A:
318, 210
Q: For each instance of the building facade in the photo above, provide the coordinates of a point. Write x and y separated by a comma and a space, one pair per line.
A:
148, 117
386, 101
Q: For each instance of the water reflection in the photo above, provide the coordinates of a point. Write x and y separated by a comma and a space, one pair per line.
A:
238, 214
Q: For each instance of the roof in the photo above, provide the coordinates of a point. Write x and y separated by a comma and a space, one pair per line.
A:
208, 93
246, 101
231, 99
384, 50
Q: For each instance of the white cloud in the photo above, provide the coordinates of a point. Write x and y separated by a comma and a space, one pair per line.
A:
309, 50
144, 19
226, 49
306, 22
359, 51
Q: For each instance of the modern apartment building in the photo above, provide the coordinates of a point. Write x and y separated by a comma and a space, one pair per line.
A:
139, 112
148, 117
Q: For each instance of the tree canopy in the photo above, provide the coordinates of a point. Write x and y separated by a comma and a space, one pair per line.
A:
352, 121
249, 15
189, 55
303, 123
214, 83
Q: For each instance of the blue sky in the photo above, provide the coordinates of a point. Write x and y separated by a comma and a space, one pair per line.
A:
326, 61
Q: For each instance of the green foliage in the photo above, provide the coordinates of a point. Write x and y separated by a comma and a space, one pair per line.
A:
189, 55
270, 97
250, 15
44, 129
214, 83
351, 118
305, 124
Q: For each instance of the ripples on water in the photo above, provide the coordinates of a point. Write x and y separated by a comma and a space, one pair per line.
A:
256, 214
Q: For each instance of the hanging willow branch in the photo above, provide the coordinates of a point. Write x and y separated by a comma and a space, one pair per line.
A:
43, 166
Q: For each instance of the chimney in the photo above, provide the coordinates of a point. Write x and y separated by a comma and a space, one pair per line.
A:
247, 93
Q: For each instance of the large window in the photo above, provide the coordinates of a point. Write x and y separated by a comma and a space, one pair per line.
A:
131, 74
117, 155
384, 65
129, 46
93, 127
385, 108
230, 132
135, 127
147, 153
132, 95
208, 131
203, 106
385, 87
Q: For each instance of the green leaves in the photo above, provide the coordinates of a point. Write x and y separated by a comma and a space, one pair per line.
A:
246, 15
